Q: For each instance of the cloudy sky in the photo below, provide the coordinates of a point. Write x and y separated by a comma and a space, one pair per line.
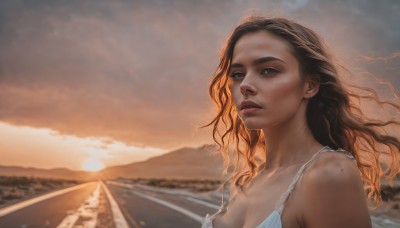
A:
114, 82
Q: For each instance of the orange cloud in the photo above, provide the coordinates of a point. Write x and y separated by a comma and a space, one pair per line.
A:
138, 72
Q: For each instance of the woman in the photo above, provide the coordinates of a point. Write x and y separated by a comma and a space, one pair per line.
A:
303, 151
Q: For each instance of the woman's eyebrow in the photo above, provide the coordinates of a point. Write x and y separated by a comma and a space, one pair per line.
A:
259, 61
266, 59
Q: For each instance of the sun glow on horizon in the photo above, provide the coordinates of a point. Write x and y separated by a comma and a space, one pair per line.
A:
92, 164
59, 150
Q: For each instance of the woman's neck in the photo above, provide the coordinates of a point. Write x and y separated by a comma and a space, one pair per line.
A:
289, 144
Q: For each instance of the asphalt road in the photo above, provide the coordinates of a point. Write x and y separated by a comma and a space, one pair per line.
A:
137, 206
49, 212
142, 212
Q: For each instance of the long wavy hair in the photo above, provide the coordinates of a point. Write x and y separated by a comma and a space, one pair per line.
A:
334, 118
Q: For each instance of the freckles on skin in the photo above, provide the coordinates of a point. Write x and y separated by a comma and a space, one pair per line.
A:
280, 94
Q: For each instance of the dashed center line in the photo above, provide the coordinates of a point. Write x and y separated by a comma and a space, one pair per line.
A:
119, 219
87, 210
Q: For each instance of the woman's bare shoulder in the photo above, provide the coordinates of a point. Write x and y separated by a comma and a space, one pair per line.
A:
333, 193
332, 164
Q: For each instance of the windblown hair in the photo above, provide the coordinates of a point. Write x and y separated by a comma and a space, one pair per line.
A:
332, 117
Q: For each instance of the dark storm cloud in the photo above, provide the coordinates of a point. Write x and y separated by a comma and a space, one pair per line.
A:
138, 71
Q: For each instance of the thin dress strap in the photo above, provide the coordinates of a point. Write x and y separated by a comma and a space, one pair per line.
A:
208, 220
222, 194
282, 200
222, 207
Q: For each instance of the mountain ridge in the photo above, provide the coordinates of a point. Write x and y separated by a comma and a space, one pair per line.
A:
181, 163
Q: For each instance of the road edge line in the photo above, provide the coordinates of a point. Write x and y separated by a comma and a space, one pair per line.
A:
177, 208
207, 204
12, 208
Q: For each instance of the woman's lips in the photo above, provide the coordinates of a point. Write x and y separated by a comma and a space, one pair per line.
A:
249, 110
249, 104
248, 107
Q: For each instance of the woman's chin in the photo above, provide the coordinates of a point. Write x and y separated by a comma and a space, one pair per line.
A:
251, 125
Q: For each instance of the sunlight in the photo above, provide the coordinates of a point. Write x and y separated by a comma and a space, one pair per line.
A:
92, 164
59, 150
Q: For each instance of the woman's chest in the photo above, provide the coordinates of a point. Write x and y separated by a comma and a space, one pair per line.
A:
253, 206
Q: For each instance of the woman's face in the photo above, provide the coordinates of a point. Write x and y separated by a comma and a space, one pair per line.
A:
264, 71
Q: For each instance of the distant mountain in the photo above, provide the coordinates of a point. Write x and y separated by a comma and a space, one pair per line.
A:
57, 173
185, 163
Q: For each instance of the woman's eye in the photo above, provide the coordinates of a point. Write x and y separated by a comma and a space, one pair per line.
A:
269, 70
236, 75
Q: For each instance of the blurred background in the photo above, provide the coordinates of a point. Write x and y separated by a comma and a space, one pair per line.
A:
117, 90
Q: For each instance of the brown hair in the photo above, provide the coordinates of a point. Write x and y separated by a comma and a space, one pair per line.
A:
333, 118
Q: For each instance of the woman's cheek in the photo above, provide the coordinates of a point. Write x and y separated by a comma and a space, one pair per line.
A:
284, 96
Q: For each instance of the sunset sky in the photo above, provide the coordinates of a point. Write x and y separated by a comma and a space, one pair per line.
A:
91, 83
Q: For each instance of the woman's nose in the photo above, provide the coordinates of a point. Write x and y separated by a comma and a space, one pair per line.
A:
247, 86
